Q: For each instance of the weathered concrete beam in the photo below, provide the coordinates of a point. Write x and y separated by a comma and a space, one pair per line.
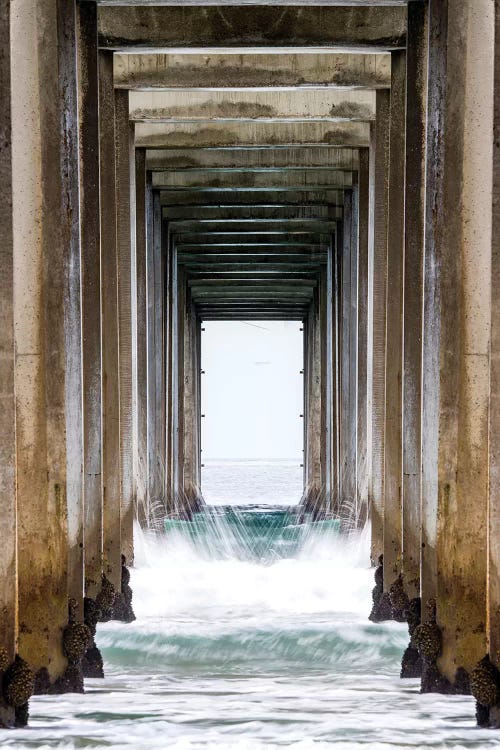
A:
262, 178
261, 266
255, 197
284, 235
266, 158
243, 254
249, 275
145, 72
328, 105
192, 135
187, 28
311, 226
201, 285
229, 214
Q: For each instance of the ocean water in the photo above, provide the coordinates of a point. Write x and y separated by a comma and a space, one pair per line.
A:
247, 640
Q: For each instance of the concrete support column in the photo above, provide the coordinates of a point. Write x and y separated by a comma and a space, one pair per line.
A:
394, 330
110, 329
179, 399
46, 307
8, 519
493, 619
331, 373
363, 405
458, 266
169, 367
380, 147
312, 410
348, 324
91, 292
124, 148
416, 115
141, 363
190, 410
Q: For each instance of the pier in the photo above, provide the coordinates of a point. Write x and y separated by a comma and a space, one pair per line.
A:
163, 164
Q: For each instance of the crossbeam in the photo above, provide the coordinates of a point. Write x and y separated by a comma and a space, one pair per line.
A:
216, 72
298, 105
193, 135
156, 29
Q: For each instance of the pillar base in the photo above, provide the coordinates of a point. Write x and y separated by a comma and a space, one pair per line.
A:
122, 606
435, 682
485, 687
381, 609
71, 681
17, 687
92, 665
411, 663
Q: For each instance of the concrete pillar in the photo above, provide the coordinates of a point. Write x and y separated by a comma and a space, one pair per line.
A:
416, 114
394, 329
493, 620
169, 353
331, 333
46, 257
179, 399
380, 146
8, 521
159, 354
312, 410
110, 330
363, 406
458, 257
68, 92
190, 410
348, 357
434, 227
141, 364
124, 149
91, 293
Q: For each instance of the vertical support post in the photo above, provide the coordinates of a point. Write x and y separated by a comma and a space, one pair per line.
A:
493, 619
141, 366
110, 333
416, 115
362, 338
8, 519
46, 252
459, 259
394, 330
124, 145
349, 356
159, 351
68, 94
91, 293
380, 208
332, 388
312, 408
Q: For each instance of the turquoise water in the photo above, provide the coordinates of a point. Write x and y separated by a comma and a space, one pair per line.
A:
256, 647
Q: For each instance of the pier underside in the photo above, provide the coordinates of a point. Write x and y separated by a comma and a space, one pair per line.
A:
163, 164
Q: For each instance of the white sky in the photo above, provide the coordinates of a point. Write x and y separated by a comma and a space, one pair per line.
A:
252, 390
